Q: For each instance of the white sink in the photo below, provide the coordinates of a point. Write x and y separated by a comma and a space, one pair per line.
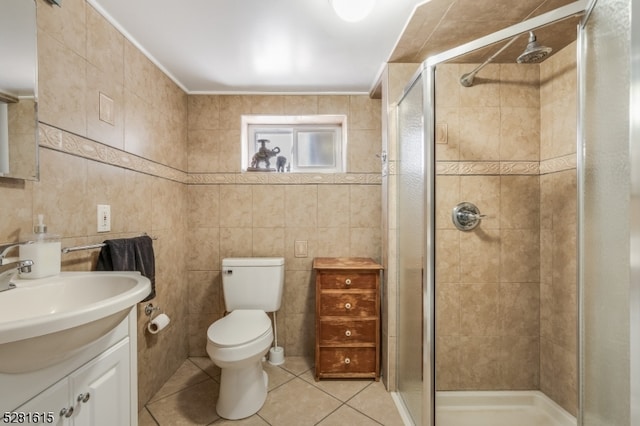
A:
47, 320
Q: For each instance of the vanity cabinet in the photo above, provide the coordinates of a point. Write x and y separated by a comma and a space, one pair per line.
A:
347, 318
95, 394
97, 386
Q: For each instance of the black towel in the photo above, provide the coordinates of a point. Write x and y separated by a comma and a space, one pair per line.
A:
130, 254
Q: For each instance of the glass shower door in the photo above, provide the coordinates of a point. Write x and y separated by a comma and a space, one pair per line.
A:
411, 244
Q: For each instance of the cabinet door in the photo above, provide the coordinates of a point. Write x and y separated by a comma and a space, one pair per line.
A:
101, 389
53, 400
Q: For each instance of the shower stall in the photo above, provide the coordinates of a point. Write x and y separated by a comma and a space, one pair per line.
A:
493, 300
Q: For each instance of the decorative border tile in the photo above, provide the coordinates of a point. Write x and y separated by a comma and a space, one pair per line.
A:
54, 138
497, 168
559, 164
60, 140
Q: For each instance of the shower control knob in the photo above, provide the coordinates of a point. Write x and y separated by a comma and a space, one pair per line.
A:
466, 216
347, 333
347, 281
347, 361
347, 305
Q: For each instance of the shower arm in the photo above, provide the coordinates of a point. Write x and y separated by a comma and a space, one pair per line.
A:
467, 79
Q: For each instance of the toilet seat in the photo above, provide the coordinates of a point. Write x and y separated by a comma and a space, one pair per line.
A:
239, 328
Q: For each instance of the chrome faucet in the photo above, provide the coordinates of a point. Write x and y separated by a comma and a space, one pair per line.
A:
8, 271
10, 266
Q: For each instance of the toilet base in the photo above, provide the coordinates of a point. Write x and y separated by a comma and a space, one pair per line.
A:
242, 391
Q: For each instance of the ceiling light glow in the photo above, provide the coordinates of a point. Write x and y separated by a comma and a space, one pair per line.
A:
352, 10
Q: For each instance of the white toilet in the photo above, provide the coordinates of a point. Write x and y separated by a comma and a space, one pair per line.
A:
237, 342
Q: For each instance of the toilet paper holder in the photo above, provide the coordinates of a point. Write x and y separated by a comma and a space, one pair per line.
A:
156, 323
150, 309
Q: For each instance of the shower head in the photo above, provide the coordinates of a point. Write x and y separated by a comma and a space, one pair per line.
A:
534, 52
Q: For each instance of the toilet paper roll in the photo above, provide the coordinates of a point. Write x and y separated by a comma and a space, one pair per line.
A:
158, 323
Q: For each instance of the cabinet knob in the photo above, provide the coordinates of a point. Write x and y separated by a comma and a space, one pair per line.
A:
347, 361
347, 333
347, 305
66, 412
84, 397
347, 281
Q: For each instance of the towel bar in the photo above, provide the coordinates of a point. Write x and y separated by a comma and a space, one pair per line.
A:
89, 247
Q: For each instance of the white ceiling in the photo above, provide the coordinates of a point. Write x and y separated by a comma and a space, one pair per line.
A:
249, 46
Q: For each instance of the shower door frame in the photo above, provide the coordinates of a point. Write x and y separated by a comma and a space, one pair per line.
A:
427, 73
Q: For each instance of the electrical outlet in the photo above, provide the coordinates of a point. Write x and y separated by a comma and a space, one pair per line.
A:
300, 248
104, 218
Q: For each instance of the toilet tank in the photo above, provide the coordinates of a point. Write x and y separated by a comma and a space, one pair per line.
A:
253, 283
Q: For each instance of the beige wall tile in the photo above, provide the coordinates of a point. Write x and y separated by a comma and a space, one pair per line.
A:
236, 206
365, 206
236, 242
519, 309
519, 85
519, 133
300, 105
520, 255
479, 309
521, 360
480, 256
204, 112
519, 202
268, 205
484, 192
268, 242
333, 205
16, 209
301, 205
479, 133
105, 46
447, 197
61, 85
448, 256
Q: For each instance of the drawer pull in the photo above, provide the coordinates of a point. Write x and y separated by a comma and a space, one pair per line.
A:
347, 305
66, 412
347, 361
347, 333
84, 397
347, 281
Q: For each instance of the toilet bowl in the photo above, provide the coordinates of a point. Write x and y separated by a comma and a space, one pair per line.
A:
237, 343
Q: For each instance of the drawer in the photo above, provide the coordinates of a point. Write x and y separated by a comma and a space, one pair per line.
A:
348, 304
347, 360
347, 279
348, 332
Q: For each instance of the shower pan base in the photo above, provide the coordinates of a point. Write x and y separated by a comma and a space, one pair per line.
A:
499, 408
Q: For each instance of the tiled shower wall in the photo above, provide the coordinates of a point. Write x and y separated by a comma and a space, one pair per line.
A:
262, 214
506, 292
558, 212
487, 280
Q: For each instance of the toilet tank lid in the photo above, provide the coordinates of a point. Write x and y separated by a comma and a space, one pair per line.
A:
253, 261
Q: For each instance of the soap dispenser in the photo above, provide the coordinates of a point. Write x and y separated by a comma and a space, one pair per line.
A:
44, 250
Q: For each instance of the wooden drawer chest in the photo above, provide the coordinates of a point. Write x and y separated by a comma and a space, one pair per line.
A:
347, 317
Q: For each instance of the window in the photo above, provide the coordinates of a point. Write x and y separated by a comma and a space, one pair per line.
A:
296, 144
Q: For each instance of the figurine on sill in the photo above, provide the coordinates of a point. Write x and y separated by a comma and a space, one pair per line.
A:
263, 155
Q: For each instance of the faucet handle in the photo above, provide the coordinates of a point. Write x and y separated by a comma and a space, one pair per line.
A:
5, 249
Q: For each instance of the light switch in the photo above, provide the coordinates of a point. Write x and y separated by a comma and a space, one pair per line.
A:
300, 248
106, 112
442, 133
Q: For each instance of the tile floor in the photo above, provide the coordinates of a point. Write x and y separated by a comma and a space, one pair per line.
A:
294, 398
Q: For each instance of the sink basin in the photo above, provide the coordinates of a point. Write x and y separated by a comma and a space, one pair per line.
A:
47, 320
